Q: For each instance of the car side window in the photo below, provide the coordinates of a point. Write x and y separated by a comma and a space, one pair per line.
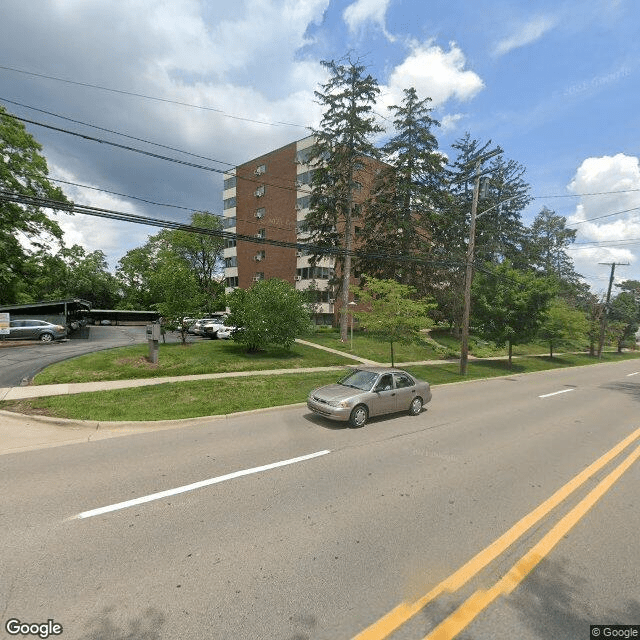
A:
385, 383
403, 381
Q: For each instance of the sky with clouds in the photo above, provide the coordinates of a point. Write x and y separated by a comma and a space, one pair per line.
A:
553, 83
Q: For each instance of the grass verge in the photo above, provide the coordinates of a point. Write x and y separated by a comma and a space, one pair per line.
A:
366, 346
211, 356
229, 395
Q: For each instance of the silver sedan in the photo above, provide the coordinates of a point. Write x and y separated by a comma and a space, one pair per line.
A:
370, 391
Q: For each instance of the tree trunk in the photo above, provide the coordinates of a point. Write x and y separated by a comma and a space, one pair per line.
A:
510, 353
392, 363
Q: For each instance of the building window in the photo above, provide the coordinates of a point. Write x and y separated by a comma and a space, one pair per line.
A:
229, 243
303, 203
231, 282
258, 275
231, 261
305, 178
262, 233
260, 169
261, 255
260, 212
229, 203
302, 156
230, 183
260, 191
227, 223
315, 273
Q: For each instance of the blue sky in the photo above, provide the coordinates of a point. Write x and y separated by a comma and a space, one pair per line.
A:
553, 83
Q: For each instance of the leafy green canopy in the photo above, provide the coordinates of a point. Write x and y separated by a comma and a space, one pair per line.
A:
510, 305
272, 312
563, 325
196, 254
393, 313
23, 171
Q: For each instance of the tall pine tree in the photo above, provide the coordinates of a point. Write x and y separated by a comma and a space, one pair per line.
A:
342, 148
406, 195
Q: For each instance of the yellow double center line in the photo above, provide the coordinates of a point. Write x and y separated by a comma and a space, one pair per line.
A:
481, 599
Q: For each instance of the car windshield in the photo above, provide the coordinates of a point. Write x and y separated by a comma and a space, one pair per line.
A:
362, 380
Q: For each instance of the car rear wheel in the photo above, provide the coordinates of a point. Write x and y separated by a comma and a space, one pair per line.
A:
416, 406
359, 416
46, 337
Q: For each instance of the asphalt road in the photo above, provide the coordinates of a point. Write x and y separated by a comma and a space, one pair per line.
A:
325, 546
21, 361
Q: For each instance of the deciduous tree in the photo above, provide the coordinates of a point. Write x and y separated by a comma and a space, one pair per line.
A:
510, 305
272, 312
393, 312
563, 325
23, 172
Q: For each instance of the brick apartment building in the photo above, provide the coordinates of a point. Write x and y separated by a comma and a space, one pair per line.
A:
268, 197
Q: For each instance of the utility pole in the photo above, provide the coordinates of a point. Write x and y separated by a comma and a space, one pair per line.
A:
464, 343
605, 311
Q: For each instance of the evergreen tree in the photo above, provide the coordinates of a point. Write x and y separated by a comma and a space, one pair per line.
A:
342, 148
499, 233
548, 240
406, 195
504, 194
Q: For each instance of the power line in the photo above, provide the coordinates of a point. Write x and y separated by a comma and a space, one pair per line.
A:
154, 98
278, 186
118, 133
229, 164
608, 215
147, 153
46, 203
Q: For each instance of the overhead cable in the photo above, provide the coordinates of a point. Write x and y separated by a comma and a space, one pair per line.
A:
154, 98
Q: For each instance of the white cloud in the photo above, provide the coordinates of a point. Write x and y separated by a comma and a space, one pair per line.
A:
450, 121
607, 175
434, 73
362, 12
525, 34
247, 59
112, 237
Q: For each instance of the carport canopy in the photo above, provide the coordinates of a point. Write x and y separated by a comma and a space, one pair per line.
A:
56, 311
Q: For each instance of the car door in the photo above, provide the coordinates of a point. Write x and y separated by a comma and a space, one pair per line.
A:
405, 390
32, 329
384, 396
16, 329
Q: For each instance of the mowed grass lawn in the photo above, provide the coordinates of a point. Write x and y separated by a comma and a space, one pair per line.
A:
230, 395
210, 356
366, 346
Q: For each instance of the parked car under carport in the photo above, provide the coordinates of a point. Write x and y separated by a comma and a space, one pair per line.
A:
36, 330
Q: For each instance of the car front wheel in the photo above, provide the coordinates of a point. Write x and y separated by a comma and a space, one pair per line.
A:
46, 337
416, 406
359, 416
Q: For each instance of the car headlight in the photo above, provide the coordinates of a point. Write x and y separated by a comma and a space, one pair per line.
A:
338, 403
